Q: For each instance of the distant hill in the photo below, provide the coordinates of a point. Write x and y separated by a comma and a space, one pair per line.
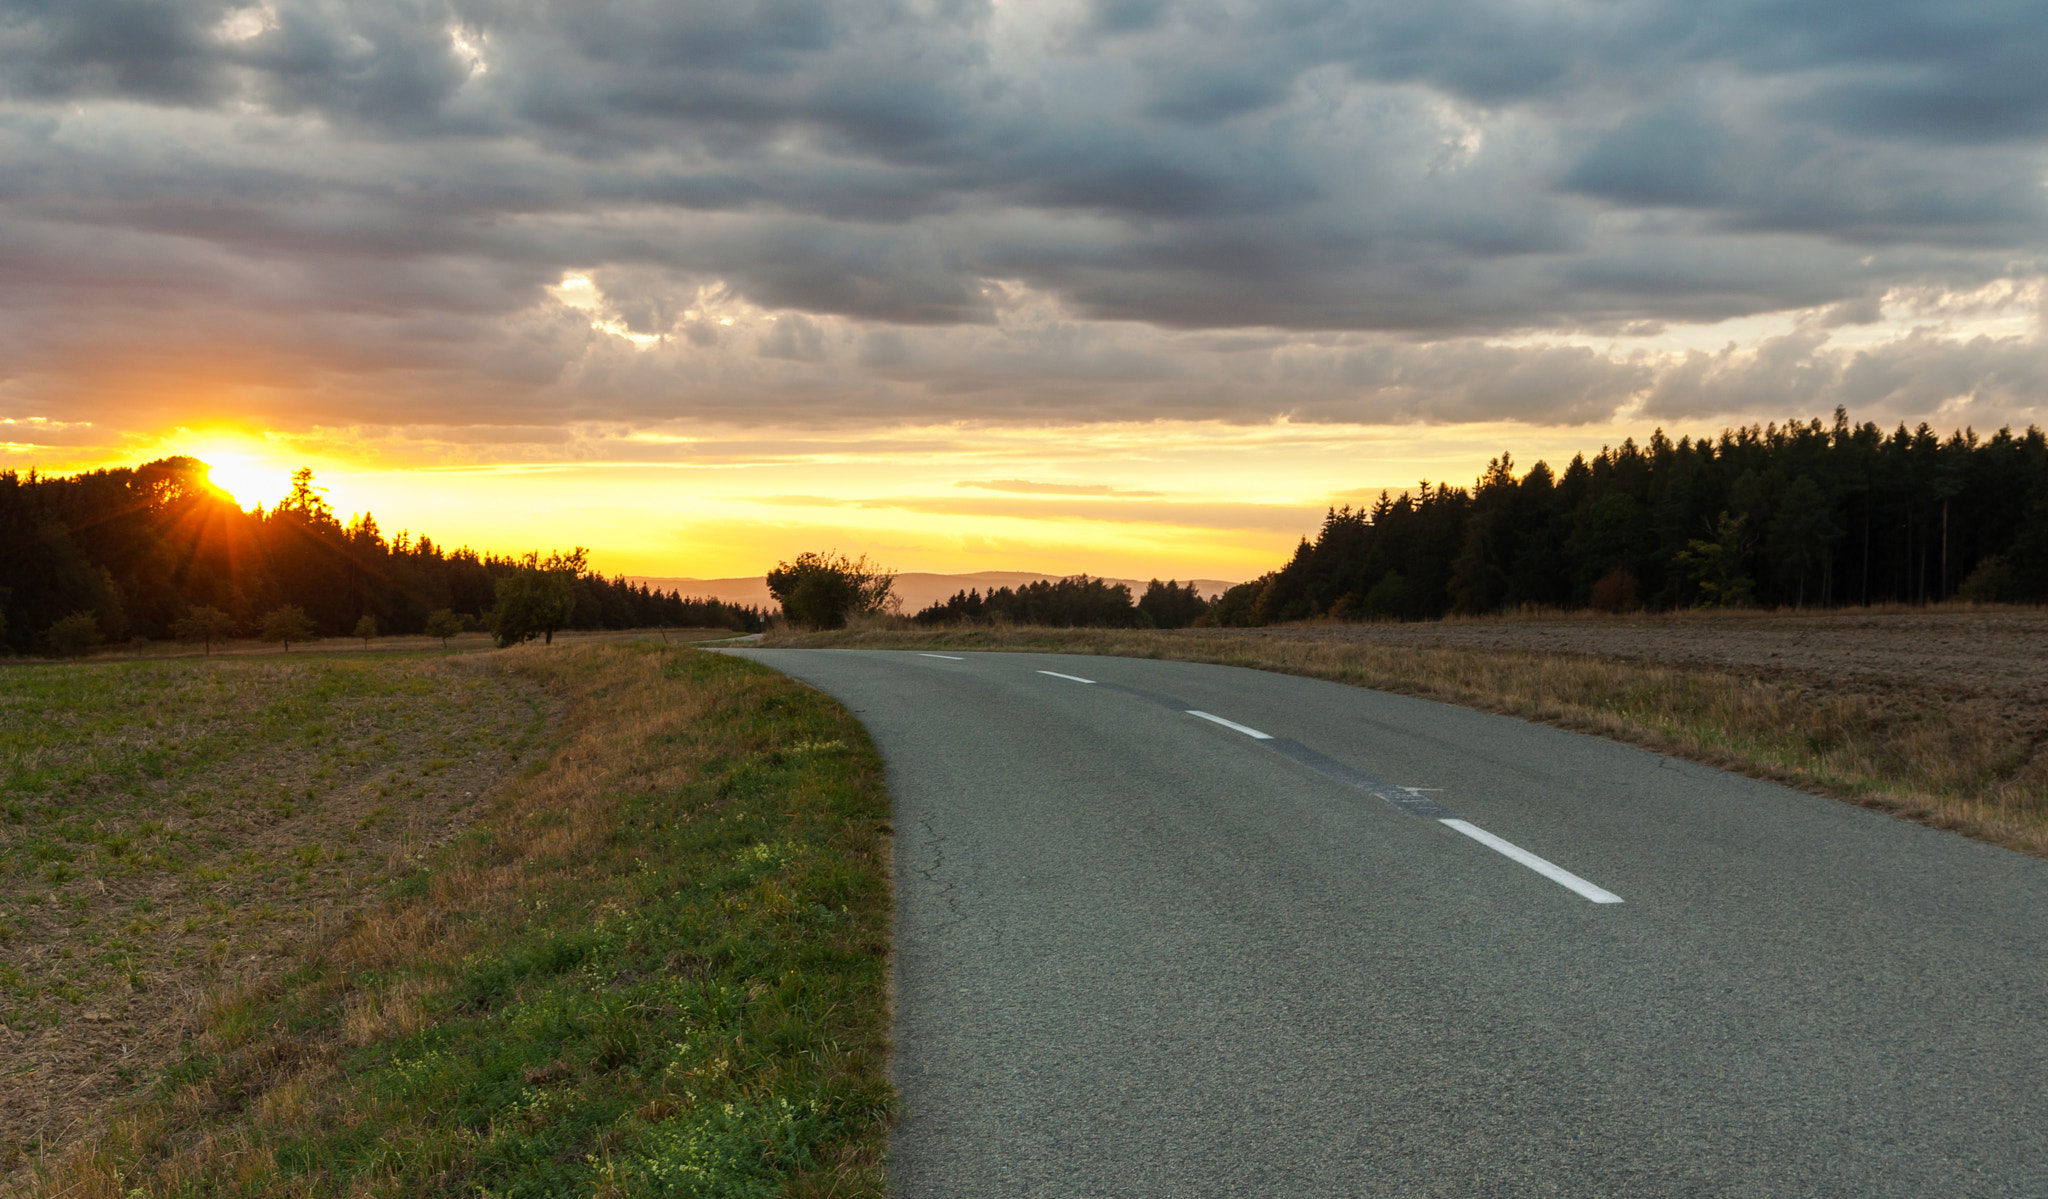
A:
918, 589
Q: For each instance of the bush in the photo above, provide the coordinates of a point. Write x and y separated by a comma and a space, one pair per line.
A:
820, 591
74, 636
1615, 592
1238, 607
366, 628
1991, 583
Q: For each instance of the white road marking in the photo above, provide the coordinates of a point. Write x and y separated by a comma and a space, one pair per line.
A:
1069, 677
947, 657
1247, 730
1550, 870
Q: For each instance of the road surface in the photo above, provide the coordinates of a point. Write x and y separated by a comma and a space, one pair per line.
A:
1169, 929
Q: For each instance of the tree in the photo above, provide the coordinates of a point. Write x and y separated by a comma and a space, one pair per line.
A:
443, 624
821, 590
1170, 606
537, 598
366, 628
1716, 566
74, 636
204, 624
1803, 534
287, 624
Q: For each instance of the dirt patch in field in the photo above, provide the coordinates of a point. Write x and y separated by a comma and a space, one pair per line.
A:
173, 831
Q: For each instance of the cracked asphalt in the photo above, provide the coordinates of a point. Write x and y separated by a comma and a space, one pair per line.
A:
1142, 954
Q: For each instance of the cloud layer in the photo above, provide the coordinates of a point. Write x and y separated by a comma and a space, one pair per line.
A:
493, 214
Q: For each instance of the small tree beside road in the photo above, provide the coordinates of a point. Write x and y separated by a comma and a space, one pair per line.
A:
366, 628
287, 624
820, 591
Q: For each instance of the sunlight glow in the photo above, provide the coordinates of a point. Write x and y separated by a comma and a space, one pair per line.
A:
246, 475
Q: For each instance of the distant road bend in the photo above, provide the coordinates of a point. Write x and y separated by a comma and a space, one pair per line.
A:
1169, 929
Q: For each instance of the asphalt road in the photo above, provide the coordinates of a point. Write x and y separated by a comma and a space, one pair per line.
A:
1143, 953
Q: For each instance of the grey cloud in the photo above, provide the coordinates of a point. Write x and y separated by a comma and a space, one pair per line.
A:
1983, 379
381, 63
160, 51
795, 337
339, 205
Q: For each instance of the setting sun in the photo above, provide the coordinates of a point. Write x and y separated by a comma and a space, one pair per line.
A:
250, 478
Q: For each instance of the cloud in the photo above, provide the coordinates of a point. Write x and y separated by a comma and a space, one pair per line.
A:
315, 212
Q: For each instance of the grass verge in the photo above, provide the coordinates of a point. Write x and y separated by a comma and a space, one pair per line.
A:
1971, 763
656, 966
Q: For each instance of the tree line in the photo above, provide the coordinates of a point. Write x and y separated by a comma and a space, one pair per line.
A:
1077, 602
1804, 514
824, 590
156, 552
1801, 514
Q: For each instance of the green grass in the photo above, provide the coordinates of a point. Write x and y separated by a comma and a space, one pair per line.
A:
656, 967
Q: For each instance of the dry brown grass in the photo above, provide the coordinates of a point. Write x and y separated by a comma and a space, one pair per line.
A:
1875, 708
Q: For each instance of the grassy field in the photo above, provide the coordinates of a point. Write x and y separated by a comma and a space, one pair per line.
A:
172, 830
463, 643
653, 964
1866, 721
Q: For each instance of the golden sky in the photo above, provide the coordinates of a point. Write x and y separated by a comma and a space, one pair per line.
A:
1167, 499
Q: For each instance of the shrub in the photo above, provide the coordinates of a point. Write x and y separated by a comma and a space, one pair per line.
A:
1991, 583
74, 636
820, 591
1615, 592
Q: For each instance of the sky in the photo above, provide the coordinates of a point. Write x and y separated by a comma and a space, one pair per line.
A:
1129, 287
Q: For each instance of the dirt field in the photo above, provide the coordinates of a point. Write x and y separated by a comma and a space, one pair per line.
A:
172, 830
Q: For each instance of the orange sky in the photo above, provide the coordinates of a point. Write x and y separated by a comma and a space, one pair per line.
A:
1173, 499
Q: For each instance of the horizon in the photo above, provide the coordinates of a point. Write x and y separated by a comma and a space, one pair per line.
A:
1110, 288
257, 488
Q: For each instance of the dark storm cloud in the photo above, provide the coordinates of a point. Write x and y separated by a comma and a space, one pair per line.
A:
361, 201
